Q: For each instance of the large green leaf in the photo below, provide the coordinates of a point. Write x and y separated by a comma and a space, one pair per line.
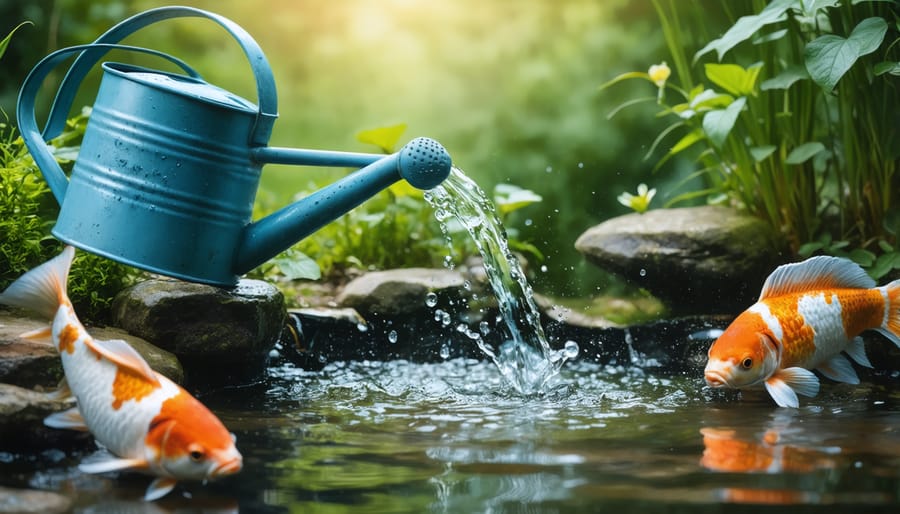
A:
735, 79
509, 197
829, 57
892, 68
746, 27
718, 124
383, 137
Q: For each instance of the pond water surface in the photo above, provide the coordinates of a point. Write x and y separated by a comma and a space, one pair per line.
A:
452, 437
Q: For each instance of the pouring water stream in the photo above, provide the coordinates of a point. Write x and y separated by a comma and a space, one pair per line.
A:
525, 360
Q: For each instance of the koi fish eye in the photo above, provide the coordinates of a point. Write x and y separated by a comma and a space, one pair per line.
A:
747, 363
196, 453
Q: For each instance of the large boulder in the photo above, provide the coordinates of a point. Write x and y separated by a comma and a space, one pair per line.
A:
698, 260
223, 337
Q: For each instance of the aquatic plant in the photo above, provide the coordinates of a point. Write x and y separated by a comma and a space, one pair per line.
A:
796, 120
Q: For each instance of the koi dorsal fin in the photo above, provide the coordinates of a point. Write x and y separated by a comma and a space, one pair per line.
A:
122, 354
821, 272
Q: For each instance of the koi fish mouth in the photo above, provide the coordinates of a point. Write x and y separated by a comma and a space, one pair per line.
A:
715, 379
228, 467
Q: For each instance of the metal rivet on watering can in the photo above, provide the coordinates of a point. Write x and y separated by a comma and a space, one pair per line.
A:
190, 217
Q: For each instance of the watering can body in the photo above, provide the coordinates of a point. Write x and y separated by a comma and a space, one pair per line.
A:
169, 164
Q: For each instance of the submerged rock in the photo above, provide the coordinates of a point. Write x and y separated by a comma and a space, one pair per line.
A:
27, 501
222, 336
698, 260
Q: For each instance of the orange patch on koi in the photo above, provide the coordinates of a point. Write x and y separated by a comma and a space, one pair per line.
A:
67, 337
129, 386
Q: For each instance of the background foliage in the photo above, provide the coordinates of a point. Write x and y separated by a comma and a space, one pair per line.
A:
510, 88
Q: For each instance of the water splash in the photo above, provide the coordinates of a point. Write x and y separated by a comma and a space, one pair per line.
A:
525, 360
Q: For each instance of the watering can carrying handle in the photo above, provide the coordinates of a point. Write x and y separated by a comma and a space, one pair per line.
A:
265, 81
25, 111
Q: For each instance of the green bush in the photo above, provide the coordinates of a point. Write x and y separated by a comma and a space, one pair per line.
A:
28, 212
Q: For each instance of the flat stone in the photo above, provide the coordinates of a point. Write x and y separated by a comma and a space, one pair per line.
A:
30, 363
698, 260
22, 413
401, 292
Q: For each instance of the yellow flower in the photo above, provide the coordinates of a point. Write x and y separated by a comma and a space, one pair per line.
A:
659, 73
641, 202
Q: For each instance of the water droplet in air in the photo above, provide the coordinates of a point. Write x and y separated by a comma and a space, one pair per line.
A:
431, 299
571, 349
484, 328
362, 327
445, 351
392, 337
643, 272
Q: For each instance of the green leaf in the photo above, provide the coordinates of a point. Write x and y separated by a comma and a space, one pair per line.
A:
718, 124
804, 152
761, 153
297, 265
773, 36
5, 42
686, 142
892, 68
808, 249
383, 137
733, 78
746, 27
812, 7
509, 198
829, 57
785, 79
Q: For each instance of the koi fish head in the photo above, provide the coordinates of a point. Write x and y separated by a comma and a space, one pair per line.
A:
187, 441
744, 355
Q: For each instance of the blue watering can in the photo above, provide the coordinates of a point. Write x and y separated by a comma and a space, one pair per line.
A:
169, 165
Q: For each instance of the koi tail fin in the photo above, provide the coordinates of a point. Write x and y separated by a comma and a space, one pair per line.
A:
891, 326
42, 289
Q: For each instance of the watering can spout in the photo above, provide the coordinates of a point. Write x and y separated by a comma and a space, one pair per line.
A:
423, 162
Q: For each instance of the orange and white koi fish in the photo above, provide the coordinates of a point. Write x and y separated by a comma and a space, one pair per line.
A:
147, 421
808, 313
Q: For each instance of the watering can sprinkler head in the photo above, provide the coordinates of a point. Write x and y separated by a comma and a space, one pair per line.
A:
169, 165
424, 163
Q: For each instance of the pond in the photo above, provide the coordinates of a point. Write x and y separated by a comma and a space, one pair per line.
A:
399, 436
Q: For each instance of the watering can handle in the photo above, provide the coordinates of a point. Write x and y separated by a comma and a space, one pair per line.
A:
25, 110
265, 81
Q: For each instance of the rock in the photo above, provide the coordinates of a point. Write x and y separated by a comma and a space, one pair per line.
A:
160, 360
22, 413
698, 260
26, 501
222, 336
401, 292
29, 363
23, 362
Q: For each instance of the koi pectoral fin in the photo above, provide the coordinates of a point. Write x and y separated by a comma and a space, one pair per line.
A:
68, 419
159, 488
785, 384
62, 391
110, 463
41, 335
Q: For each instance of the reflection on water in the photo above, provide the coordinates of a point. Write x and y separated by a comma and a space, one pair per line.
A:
406, 437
